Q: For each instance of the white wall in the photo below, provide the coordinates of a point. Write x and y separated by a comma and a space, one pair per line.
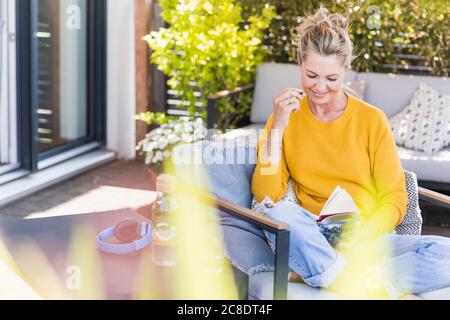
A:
121, 98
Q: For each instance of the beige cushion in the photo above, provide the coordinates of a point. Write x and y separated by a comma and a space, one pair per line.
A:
424, 125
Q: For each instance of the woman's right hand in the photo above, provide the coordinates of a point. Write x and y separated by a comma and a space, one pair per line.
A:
284, 103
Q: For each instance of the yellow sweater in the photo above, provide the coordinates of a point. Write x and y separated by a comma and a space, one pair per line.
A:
356, 151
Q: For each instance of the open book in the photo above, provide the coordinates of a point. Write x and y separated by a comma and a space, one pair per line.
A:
339, 208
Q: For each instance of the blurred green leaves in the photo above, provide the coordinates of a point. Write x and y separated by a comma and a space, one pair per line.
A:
209, 43
404, 28
154, 117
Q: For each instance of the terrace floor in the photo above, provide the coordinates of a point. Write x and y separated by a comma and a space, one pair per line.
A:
117, 185
114, 186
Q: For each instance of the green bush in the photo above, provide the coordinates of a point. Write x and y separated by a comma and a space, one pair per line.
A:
209, 43
403, 28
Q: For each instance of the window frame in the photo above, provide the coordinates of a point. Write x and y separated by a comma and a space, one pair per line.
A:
29, 156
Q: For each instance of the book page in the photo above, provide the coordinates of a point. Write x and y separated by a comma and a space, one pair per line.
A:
333, 195
339, 202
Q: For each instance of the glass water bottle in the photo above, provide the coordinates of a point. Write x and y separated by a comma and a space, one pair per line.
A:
163, 223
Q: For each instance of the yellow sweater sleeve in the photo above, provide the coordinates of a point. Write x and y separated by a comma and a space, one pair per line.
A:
269, 179
389, 179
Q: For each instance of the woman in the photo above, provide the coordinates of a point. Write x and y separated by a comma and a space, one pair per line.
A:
321, 136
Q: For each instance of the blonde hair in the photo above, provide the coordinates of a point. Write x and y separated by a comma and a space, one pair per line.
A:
325, 34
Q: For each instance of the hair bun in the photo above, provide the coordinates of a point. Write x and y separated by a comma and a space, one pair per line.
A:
327, 34
323, 19
339, 21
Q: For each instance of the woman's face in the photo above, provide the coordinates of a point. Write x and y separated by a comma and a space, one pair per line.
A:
322, 77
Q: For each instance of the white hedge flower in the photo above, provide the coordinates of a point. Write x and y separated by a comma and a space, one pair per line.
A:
158, 143
187, 138
188, 127
173, 138
178, 127
149, 146
162, 144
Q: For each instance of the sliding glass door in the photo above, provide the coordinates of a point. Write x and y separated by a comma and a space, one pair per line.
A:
8, 124
60, 73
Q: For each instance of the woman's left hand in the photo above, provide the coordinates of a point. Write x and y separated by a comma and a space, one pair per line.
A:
358, 233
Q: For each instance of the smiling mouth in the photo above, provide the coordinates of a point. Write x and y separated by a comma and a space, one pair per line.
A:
319, 94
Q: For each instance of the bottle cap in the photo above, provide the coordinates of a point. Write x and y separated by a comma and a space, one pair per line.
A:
166, 183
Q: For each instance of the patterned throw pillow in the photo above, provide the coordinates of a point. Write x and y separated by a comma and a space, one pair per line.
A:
424, 125
267, 203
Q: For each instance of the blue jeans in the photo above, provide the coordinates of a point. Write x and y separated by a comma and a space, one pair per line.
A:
414, 264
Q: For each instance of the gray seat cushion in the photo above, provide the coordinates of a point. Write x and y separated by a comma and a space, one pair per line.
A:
255, 126
225, 170
429, 167
261, 288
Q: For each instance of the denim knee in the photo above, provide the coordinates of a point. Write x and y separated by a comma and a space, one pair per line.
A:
289, 212
433, 249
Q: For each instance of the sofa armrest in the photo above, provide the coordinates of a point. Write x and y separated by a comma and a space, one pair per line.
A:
212, 101
434, 197
281, 230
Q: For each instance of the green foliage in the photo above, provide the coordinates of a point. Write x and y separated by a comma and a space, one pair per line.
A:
208, 42
154, 117
384, 32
